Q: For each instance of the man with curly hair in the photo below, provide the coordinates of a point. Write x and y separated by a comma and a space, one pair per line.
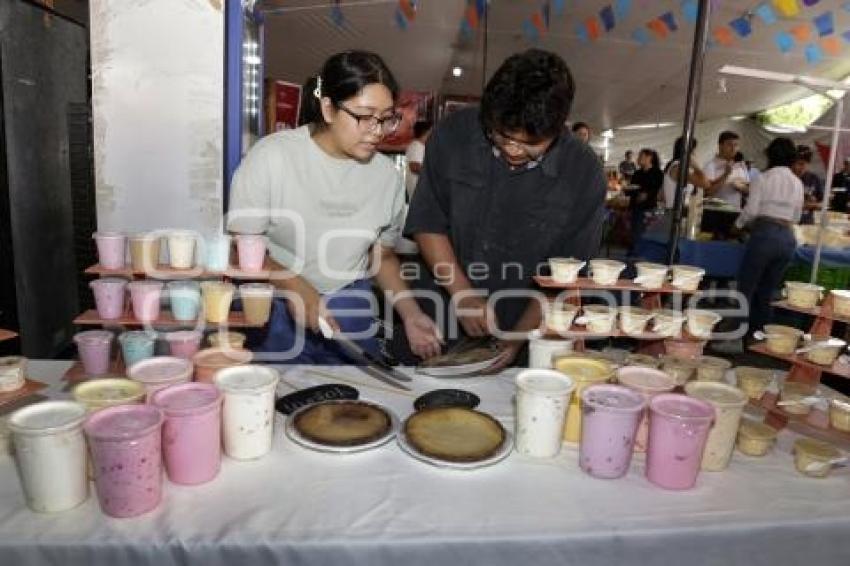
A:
503, 187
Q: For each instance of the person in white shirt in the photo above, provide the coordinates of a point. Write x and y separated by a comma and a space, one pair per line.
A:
728, 179
696, 178
415, 154
774, 205
331, 207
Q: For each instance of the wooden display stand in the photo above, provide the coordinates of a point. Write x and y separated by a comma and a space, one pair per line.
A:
816, 423
165, 320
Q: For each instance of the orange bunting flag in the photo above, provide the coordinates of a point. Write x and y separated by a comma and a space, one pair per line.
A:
407, 9
537, 21
801, 32
831, 45
472, 16
593, 30
723, 36
658, 27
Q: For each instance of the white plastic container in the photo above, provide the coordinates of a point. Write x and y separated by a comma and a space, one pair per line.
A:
248, 411
51, 454
542, 399
181, 249
541, 350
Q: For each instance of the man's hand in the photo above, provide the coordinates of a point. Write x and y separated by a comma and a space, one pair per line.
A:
509, 352
476, 316
307, 306
423, 336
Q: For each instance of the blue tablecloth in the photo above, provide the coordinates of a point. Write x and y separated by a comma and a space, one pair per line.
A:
718, 258
831, 257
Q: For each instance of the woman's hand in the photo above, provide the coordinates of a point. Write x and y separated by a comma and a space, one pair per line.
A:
423, 336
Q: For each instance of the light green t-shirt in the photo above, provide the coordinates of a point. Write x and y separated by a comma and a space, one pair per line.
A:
321, 214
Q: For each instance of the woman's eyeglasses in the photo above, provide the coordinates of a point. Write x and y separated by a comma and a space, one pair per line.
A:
370, 123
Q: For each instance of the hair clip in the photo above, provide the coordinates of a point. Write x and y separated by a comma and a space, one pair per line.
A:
317, 92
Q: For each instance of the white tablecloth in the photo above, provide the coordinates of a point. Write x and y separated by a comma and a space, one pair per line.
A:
382, 507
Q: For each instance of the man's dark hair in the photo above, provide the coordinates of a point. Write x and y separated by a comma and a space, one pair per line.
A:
804, 153
531, 92
781, 153
629, 152
421, 128
578, 126
726, 136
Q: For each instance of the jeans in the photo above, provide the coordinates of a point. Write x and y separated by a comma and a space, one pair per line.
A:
281, 335
766, 257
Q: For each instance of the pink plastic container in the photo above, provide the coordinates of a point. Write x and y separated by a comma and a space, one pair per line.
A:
94, 347
191, 435
125, 443
145, 297
109, 296
649, 383
678, 429
184, 343
252, 251
691, 349
610, 417
110, 249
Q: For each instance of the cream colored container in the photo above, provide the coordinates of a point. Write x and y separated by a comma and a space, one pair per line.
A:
217, 297
753, 381
248, 410
542, 350
667, 323
599, 319
824, 350
682, 370
728, 403
584, 372
606, 271
230, 339
781, 339
808, 451
144, 252
711, 368
701, 323
839, 415
651, 275
98, 394
160, 372
803, 295
13, 371
687, 277
565, 269
691, 349
633, 320
642, 360
50, 451
559, 317
794, 392
542, 398
755, 439
841, 302
181, 249
256, 302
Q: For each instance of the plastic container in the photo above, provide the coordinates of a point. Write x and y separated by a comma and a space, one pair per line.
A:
803, 295
678, 430
145, 296
584, 371
606, 271
841, 302
126, 448
251, 249
648, 382
682, 370
185, 299
50, 452
94, 348
217, 297
542, 350
191, 433
839, 415
160, 372
610, 418
633, 320
824, 349
565, 269
781, 339
687, 277
98, 394
248, 413
599, 319
218, 253
728, 403
256, 302
184, 343
559, 317
651, 275
753, 381
643, 360
690, 349
227, 339
792, 391
755, 439
701, 322
209, 361
542, 397
136, 345
109, 296
181, 249
144, 252
808, 451
13, 370
667, 323
710, 368
111, 247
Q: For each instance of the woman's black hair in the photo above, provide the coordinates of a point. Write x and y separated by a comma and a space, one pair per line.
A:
679, 151
343, 76
531, 92
655, 161
781, 152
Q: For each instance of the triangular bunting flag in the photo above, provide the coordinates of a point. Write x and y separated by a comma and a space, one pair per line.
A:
408, 9
472, 16
814, 54
784, 41
810, 2
530, 31
337, 17
831, 45
622, 9
606, 14
400, 20
801, 32
669, 21
741, 26
537, 22
642, 36
658, 27
593, 30
824, 24
690, 11
581, 32
846, 36
788, 8
558, 5
723, 36
766, 13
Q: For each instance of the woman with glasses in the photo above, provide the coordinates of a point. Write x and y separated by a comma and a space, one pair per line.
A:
331, 208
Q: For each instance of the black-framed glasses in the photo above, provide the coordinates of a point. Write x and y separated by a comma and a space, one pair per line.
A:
534, 153
369, 123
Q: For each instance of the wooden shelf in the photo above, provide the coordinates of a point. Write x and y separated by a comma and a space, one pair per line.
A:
90, 317
164, 271
585, 283
819, 311
7, 335
814, 424
837, 368
31, 387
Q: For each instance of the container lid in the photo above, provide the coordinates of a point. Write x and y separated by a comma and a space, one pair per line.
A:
182, 335
646, 379
651, 266
636, 311
781, 329
803, 285
258, 288
246, 379
599, 310
753, 371
843, 293
108, 390
569, 260
678, 361
816, 449
718, 394
613, 398
757, 430
687, 268
187, 398
124, 422
160, 369
146, 283
544, 381
93, 336
681, 407
669, 313
714, 362
146, 236
183, 285
217, 284
108, 235
610, 263
136, 335
47, 417
108, 281
222, 357
12, 361
584, 369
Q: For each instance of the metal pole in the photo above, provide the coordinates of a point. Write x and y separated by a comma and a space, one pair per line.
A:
486, 45
694, 88
830, 171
